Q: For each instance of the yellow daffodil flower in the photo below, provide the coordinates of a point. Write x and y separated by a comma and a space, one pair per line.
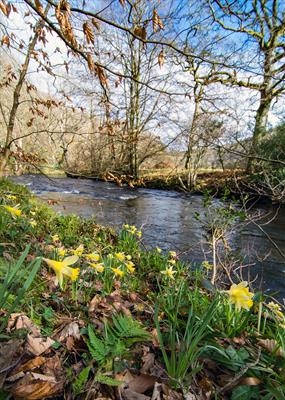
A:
92, 257
120, 256
97, 266
61, 268
128, 257
61, 251
14, 211
172, 261
173, 254
276, 309
130, 267
158, 249
11, 197
110, 256
240, 296
79, 251
55, 238
33, 223
118, 272
168, 272
139, 234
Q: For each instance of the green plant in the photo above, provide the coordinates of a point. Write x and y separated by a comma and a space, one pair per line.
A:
181, 336
119, 336
16, 280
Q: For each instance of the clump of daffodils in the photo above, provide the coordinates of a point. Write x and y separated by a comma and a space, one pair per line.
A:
133, 230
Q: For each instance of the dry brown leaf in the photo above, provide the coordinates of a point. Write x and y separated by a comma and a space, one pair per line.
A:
35, 390
142, 383
140, 31
250, 381
88, 32
157, 23
157, 392
3, 8
161, 58
155, 340
21, 321
148, 362
130, 395
96, 23
101, 75
39, 6
38, 345
90, 63
72, 329
271, 346
31, 364
94, 303
5, 40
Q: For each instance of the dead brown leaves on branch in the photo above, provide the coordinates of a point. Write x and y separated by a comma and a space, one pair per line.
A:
88, 32
157, 23
161, 58
39, 6
63, 14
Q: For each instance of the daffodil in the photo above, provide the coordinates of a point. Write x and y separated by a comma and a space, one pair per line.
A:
14, 211
78, 251
61, 268
168, 272
61, 251
276, 309
240, 296
11, 197
173, 254
33, 223
55, 238
92, 257
120, 256
130, 267
99, 267
118, 272
158, 249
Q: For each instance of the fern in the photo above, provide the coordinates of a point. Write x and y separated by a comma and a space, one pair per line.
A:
128, 328
118, 337
107, 380
97, 347
80, 381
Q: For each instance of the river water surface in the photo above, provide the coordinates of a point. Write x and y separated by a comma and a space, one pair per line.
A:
167, 219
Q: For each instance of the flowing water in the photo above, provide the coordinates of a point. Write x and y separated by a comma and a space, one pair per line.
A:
167, 219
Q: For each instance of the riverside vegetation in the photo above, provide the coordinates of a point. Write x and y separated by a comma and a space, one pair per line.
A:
89, 313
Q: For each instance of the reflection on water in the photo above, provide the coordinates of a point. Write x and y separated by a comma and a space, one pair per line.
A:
167, 219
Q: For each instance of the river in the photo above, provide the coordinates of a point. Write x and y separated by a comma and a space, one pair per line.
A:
167, 219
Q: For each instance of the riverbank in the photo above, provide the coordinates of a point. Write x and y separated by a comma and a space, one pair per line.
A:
217, 183
88, 313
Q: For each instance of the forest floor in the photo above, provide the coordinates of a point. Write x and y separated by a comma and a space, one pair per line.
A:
88, 313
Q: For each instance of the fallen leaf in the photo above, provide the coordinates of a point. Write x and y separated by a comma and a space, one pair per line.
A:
38, 345
142, 383
31, 364
35, 390
21, 321
271, 346
128, 394
71, 329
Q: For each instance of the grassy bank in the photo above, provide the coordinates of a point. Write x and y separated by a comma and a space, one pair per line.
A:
87, 313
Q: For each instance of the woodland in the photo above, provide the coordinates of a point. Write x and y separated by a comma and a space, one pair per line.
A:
181, 94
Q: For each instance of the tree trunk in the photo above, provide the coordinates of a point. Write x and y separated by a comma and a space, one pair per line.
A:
4, 156
260, 128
